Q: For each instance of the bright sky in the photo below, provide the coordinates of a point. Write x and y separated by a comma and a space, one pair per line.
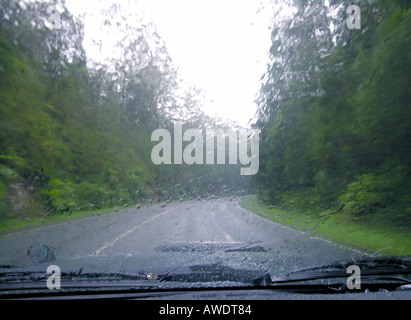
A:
220, 46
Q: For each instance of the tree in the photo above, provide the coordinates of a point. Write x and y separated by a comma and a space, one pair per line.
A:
335, 107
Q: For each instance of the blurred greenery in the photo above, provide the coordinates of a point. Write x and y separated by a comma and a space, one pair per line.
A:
334, 117
335, 113
76, 134
370, 237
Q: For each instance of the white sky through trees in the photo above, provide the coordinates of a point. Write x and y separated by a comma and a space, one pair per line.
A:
220, 46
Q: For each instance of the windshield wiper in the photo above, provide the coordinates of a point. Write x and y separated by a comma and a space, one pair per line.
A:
14, 280
376, 274
369, 267
392, 273
26, 284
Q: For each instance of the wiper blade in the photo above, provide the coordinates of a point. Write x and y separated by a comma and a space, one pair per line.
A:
25, 284
21, 274
381, 268
216, 272
25, 279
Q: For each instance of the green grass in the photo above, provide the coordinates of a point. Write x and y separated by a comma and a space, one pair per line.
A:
363, 235
21, 223
11, 225
17, 224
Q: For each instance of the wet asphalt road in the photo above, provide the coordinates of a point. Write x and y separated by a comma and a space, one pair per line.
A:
168, 238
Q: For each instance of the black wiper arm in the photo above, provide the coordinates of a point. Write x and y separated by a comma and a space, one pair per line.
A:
14, 279
381, 268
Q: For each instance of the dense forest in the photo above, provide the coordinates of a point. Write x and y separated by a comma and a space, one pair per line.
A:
76, 133
335, 113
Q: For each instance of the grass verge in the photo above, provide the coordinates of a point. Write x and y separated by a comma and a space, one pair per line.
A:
339, 228
18, 224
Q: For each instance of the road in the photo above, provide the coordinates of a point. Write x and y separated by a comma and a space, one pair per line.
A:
167, 238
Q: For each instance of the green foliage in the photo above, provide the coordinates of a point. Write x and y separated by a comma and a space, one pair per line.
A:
74, 133
367, 236
367, 194
66, 196
335, 113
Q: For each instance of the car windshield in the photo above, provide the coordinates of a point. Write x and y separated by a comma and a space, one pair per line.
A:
197, 142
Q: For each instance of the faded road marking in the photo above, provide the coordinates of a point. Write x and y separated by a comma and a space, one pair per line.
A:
121, 236
228, 237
